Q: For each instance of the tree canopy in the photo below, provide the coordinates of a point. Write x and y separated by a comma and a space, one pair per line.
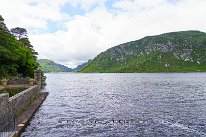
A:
2, 24
19, 33
17, 56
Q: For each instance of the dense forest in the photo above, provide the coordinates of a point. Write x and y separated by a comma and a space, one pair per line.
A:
17, 56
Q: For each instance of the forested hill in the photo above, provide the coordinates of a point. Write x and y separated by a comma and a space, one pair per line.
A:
183, 51
50, 66
17, 56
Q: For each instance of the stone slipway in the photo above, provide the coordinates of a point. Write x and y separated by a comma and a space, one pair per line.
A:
23, 120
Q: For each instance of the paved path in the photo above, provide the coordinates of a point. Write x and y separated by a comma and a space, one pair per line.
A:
24, 119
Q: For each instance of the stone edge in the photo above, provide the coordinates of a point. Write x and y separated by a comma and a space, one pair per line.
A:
27, 116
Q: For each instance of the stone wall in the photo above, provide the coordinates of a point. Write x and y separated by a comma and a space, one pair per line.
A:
37, 77
17, 81
16, 104
23, 99
20, 81
4, 109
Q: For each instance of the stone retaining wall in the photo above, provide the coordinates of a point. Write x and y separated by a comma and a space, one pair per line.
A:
23, 99
4, 108
17, 81
16, 104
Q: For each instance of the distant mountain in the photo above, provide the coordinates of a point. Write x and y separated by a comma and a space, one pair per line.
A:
183, 51
50, 66
80, 67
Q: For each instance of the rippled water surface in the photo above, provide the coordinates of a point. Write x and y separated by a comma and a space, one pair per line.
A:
134, 104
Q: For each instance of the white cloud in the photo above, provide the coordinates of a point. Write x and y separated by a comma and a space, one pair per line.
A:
84, 36
86, 4
31, 14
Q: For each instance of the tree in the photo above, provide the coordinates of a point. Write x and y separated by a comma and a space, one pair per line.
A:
27, 43
10, 53
17, 56
1, 18
19, 33
2, 24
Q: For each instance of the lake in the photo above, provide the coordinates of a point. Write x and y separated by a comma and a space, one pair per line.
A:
122, 104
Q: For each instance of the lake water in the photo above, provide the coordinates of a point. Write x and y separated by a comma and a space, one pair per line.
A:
122, 104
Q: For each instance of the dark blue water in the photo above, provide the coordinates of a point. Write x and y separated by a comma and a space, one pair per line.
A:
101, 105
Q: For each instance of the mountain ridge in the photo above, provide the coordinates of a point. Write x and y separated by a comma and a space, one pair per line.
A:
182, 51
47, 65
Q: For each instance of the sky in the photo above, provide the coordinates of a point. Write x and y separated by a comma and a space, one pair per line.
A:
71, 32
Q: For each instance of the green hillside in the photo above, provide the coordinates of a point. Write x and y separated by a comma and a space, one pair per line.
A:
50, 66
183, 51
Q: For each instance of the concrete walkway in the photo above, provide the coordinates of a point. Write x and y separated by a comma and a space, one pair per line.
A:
24, 119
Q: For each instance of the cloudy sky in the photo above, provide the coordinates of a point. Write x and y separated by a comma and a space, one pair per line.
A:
71, 32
